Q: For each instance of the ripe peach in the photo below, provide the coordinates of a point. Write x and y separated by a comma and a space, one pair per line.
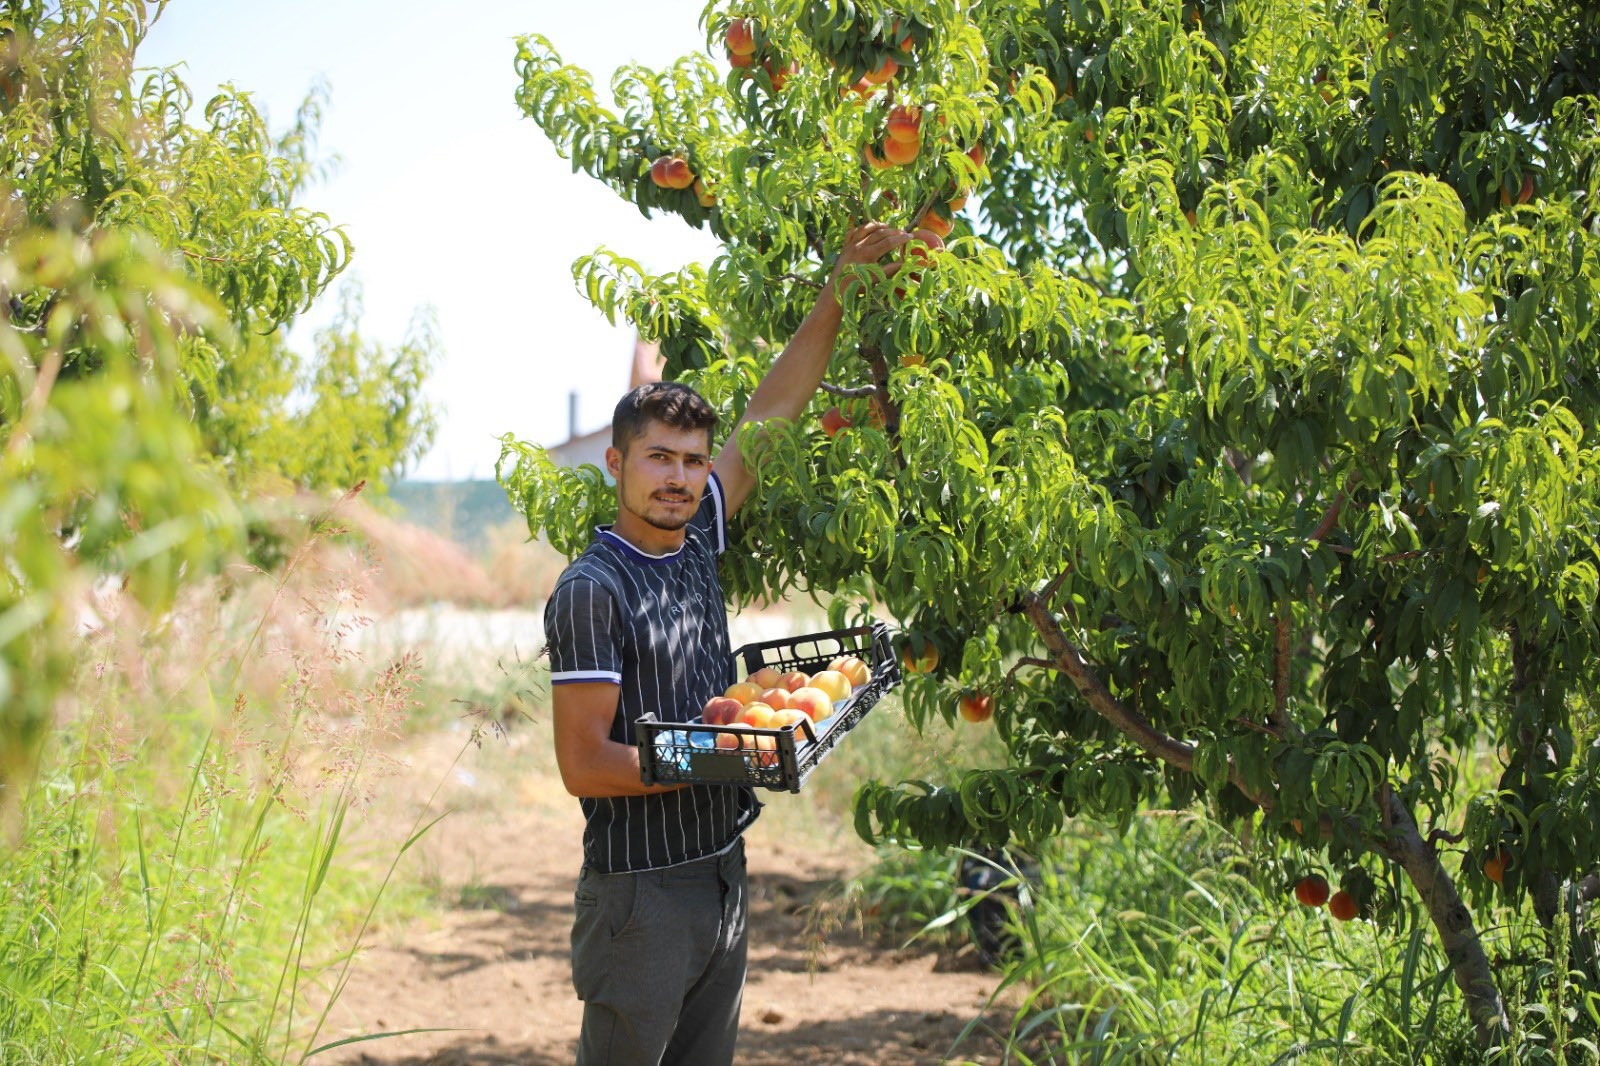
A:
923, 249
913, 359
765, 678
720, 710
730, 741
776, 698
833, 420
835, 684
976, 707
905, 124
1495, 866
742, 62
874, 160
741, 37
768, 748
671, 172
703, 194
790, 716
934, 222
744, 692
679, 174
886, 70
958, 201
1342, 906
779, 73
757, 714
853, 668
813, 702
900, 153
978, 154
1311, 890
919, 664
794, 679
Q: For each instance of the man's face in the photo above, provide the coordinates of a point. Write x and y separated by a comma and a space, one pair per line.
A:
663, 474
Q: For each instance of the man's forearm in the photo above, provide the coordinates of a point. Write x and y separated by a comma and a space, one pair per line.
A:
798, 371
608, 769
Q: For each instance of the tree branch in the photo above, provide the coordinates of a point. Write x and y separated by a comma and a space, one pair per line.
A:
1048, 593
1330, 517
1152, 741
807, 282
849, 393
1403, 845
1043, 664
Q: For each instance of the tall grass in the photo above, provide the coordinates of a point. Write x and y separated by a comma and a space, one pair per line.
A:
1161, 944
176, 890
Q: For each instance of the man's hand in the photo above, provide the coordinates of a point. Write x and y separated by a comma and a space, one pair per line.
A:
867, 243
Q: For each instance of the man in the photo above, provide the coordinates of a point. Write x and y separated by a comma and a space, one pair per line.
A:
638, 624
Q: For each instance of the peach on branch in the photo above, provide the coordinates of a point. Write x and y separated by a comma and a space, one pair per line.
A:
779, 72
671, 172
741, 37
883, 73
833, 420
976, 707
1311, 890
932, 221
905, 124
924, 662
899, 153
1342, 905
741, 62
703, 195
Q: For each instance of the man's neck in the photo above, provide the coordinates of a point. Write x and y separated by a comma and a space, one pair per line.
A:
645, 537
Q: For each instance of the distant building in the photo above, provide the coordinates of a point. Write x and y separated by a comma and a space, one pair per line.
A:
591, 447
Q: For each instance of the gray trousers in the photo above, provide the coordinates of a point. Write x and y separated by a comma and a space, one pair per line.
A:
658, 959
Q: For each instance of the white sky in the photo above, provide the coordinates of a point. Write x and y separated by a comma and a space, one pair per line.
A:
451, 198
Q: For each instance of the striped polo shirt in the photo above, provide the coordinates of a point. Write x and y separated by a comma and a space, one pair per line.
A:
657, 627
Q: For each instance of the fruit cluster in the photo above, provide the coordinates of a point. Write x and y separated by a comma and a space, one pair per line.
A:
748, 45
1312, 890
768, 699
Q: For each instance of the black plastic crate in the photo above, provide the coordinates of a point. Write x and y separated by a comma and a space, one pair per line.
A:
668, 754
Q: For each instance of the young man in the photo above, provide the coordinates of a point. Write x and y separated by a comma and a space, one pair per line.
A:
637, 624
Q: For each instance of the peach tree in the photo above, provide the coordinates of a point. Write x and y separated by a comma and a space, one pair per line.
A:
1238, 438
152, 257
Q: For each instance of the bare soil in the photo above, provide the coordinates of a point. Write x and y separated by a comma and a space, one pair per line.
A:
493, 966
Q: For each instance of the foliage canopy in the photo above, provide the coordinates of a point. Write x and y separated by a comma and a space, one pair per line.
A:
151, 262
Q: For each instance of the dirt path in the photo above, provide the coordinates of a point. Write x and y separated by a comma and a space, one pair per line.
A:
495, 967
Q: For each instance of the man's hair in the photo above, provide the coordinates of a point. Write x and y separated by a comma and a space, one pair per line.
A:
667, 402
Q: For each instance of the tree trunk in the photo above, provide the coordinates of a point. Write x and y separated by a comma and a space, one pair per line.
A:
1457, 934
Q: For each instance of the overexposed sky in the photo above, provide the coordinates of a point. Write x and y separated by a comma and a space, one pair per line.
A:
451, 198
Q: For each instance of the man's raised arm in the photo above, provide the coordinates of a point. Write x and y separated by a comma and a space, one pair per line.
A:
798, 371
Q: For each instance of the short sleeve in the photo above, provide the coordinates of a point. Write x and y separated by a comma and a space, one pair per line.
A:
711, 519
581, 625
